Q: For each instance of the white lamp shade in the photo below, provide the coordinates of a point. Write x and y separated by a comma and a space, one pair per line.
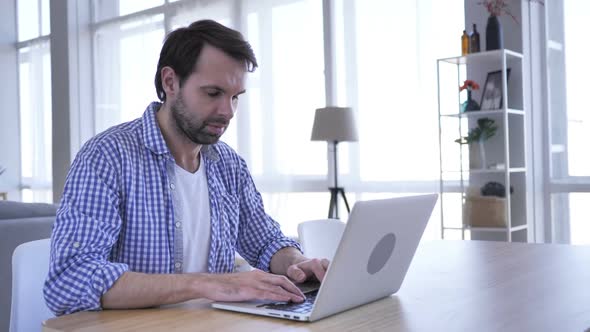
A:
334, 124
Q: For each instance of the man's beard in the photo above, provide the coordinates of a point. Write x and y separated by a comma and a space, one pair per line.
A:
193, 128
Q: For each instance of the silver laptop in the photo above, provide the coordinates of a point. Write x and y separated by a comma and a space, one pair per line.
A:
375, 251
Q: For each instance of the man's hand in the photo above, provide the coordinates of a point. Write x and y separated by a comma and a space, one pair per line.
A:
251, 285
290, 262
140, 290
308, 269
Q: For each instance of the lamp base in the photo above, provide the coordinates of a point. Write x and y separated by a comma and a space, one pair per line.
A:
333, 211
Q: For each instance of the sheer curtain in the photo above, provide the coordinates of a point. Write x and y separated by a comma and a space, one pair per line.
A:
125, 58
284, 93
35, 121
569, 120
34, 80
385, 59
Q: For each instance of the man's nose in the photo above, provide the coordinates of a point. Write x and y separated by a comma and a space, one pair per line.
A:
228, 109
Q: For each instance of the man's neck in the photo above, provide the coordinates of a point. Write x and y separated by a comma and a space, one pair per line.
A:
184, 151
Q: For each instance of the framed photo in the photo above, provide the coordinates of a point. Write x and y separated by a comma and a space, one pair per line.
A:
491, 96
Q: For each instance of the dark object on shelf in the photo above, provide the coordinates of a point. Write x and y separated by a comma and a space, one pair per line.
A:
474, 40
470, 104
494, 37
464, 43
492, 94
495, 189
480, 211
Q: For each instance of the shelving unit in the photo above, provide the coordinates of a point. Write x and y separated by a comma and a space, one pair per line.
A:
506, 151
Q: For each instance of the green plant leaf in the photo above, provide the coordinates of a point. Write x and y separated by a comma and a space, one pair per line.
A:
486, 129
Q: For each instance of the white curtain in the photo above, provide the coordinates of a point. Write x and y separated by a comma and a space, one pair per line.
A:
34, 80
387, 59
125, 59
385, 53
35, 121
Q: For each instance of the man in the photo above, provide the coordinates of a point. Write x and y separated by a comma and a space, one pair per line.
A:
154, 210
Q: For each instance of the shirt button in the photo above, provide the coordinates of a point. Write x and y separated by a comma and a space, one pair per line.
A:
177, 224
76, 244
177, 265
172, 186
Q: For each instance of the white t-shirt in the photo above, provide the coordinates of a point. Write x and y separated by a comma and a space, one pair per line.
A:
195, 216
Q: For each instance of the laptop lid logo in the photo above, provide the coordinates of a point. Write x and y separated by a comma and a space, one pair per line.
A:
381, 253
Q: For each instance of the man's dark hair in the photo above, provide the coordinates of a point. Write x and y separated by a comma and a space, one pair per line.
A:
183, 46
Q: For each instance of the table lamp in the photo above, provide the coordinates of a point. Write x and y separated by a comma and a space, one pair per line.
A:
335, 125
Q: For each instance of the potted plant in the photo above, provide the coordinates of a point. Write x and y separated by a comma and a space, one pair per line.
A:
486, 128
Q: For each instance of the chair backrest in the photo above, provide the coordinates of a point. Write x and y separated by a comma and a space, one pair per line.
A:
19, 223
320, 238
30, 263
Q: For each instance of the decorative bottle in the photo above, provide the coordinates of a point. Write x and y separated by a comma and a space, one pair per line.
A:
464, 43
494, 35
474, 40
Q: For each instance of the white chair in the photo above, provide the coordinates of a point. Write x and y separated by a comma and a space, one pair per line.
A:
30, 263
320, 238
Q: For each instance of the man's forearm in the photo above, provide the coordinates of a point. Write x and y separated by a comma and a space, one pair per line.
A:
284, 258
140, 290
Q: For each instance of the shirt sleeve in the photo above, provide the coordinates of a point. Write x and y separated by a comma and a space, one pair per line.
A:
260, 237
87, 226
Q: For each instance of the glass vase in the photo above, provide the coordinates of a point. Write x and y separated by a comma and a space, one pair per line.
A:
477, 155
470, 104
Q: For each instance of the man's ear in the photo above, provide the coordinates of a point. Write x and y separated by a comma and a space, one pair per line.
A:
170, 82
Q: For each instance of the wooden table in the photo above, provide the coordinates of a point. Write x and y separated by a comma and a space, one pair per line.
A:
451, 286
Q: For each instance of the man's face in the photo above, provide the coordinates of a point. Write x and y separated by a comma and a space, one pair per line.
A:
208, 98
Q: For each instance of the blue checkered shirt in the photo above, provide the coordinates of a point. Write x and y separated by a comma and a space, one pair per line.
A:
117, 215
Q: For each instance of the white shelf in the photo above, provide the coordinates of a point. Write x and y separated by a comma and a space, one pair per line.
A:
488, 170
482, 56
488, 229
483, 113
496, 229
507, 150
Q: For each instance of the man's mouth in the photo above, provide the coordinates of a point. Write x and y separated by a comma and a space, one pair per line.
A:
216, 128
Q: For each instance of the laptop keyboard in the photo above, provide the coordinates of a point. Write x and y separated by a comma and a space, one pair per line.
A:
300, 308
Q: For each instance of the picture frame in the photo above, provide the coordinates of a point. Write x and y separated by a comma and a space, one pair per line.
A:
491, 96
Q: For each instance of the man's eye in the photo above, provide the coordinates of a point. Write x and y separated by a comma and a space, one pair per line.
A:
213, 93
235, 98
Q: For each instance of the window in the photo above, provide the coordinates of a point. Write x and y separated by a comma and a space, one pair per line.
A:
126, 55
34, 71
577, 73
389, 81
385, 57
393, 62
568, 121
107, 9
